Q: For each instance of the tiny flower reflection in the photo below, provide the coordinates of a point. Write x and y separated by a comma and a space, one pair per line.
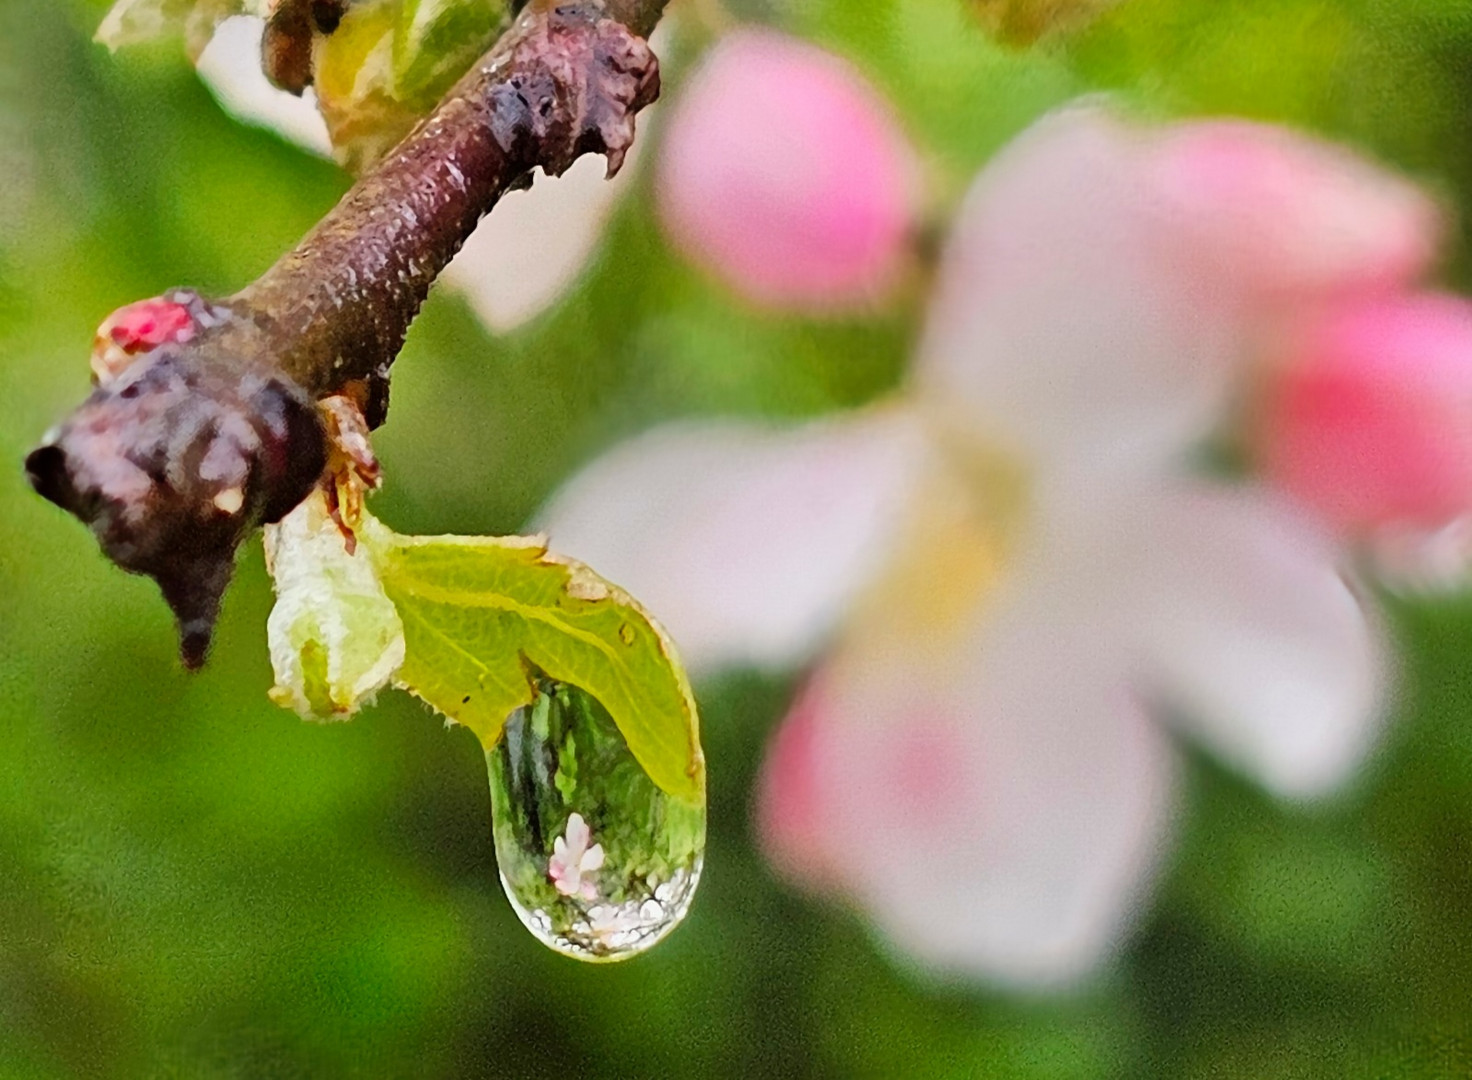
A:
1017, 579
574, 863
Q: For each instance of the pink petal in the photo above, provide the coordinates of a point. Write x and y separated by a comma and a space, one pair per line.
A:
1368, 415
592, 859
1058, 327
577, 836
997, 810
791, 816
1281, 214
786, 175
747, 540
1254, 640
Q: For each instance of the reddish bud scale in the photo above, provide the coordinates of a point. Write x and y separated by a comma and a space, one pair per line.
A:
149, 323
136, 329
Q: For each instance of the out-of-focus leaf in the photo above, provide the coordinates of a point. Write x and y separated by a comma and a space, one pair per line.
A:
335, 637
436, 42
1022, 22
390, 62
132, 21
355, 85
478, 611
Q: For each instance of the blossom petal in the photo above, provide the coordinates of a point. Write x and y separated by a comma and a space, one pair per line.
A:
998, 812
1057, 325
592, 859
578, 835
1367, 417
1257, 642
746, 540
1276, 212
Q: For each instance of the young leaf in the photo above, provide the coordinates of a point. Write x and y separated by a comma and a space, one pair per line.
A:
390, 61
130, 22
355, 85
481, 615
335, 637
436, 41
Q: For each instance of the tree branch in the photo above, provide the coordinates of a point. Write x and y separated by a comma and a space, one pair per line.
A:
203, 424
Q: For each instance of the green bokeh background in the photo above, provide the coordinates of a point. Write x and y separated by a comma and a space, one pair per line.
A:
194, 883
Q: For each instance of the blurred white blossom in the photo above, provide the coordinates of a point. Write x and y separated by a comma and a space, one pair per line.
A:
1020, 581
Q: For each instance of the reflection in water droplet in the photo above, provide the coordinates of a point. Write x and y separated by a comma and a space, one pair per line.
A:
598, 861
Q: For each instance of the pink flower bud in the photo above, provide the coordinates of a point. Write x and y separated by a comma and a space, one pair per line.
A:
1285, 215
785, 174
1368, 415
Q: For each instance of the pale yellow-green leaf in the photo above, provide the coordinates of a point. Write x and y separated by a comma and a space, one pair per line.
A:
335, 636
389, 63
355, 85
478, 611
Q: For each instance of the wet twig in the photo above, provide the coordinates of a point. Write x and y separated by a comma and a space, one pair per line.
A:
204, 422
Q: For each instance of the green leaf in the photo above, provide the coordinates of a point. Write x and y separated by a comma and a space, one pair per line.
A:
437, 41
390, 61
481, 614
355, 85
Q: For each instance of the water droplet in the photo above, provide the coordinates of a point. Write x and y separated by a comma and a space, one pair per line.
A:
597, 860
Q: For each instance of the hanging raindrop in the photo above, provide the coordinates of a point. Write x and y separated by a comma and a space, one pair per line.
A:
598, 861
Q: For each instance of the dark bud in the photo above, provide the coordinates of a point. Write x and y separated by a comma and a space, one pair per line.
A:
173, 463
286, 47
327, 14
291, 32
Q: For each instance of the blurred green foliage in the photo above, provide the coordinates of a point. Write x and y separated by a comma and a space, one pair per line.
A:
194, 883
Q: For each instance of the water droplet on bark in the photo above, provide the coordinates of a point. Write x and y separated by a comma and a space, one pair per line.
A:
598, 861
